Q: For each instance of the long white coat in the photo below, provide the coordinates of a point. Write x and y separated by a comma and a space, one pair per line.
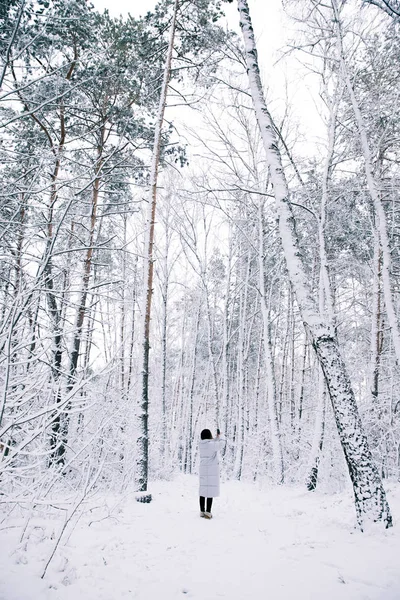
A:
209, 467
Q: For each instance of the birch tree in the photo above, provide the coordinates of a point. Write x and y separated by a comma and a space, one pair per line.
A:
370, 498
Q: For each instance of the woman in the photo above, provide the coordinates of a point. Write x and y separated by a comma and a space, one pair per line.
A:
209, 470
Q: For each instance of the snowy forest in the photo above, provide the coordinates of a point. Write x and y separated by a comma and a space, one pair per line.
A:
177, 254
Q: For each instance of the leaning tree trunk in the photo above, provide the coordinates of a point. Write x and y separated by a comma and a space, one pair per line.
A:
370, 497
143, 442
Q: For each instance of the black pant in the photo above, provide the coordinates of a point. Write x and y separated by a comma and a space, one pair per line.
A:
202, 503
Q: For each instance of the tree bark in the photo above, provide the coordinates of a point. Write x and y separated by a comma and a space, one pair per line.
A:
376, 323
189, 436
276, 444
242, 362
318, 439
326, 304
370, 497
61, 422
143, 442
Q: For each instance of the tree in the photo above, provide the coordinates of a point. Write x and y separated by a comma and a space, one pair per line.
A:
143, 464
73, 136
197, 35
372, 187
370, 498
391, 8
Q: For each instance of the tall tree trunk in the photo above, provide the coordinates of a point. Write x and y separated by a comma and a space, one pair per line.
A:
376, 323
122, 326
326, 304
143, 460
285, 350
276, 443
87, 265
164, 349
318, 439
211, 354
302, 385
189, 436
225, 343
165, 291
133, 326
61, 422
292, 370
55, 311
210, 327
370, 497
242, 364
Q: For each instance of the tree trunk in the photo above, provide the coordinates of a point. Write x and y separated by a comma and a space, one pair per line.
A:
225, 343
164, 339
143, 461
376, 323
318, 439
244, 273
285, 350
370, 497
326, 304
133, 324
61, 422
56, 442
292, 370
276, 444
122, 326
87, 267
189, 437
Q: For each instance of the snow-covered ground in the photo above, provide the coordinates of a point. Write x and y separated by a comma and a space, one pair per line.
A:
278, 544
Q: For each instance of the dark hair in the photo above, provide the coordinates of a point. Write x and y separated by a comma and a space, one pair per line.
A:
206, 434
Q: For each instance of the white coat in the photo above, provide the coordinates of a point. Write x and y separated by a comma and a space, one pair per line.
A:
209, 467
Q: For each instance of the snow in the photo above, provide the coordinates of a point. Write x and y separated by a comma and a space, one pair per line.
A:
279, 543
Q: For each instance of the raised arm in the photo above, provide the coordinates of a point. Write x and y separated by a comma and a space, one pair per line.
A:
219, 441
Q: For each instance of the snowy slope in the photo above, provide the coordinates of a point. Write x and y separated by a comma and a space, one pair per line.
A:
279, 543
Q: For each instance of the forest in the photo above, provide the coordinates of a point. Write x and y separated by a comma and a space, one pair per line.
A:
176, 255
